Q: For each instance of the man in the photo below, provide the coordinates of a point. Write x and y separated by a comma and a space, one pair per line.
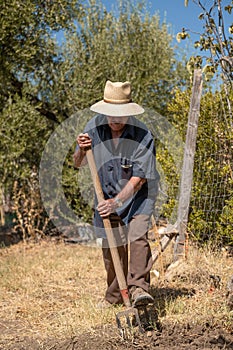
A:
124, 153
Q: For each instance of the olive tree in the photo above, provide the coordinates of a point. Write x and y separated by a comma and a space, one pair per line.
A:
127, 45
28, 62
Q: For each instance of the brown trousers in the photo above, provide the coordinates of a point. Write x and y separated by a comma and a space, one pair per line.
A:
137, 269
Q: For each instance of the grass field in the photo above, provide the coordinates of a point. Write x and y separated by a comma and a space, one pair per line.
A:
49, 290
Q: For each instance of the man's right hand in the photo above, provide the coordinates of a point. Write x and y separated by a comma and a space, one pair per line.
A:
84, 141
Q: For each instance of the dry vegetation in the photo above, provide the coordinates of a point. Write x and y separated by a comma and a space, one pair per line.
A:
49, 290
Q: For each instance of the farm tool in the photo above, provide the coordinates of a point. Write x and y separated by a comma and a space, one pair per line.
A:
130, 315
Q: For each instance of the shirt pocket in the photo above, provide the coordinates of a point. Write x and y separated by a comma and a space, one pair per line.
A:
126, 167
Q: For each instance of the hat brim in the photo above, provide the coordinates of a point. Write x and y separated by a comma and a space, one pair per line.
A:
117, 110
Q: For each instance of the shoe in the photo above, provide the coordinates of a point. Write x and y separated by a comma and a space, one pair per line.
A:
140, 297
104, 304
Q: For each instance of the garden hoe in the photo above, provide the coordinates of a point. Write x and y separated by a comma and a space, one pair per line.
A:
130, 315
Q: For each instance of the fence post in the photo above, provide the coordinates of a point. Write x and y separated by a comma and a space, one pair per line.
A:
2, 213
188, 164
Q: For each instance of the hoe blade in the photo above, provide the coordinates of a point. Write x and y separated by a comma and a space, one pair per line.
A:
127, 320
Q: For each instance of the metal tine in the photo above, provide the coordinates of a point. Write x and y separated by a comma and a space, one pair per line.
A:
128, 321
124, 331
119, 326
133, 312
138, 321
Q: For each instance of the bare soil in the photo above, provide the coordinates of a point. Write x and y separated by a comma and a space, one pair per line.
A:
170, 336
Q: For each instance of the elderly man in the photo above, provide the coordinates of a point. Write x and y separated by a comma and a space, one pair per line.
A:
124, 152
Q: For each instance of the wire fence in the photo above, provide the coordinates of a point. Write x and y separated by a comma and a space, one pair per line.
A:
211, 207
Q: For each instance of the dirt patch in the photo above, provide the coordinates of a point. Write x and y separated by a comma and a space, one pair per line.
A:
174, 337
170, 337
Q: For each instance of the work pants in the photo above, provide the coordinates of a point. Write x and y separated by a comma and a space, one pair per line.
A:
137, 267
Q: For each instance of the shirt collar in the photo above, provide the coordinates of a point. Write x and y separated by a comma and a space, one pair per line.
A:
129, 131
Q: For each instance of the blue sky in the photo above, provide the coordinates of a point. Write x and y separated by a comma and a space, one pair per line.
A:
178, 16
174, 13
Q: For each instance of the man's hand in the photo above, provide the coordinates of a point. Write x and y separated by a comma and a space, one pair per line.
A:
107, 207
84, 141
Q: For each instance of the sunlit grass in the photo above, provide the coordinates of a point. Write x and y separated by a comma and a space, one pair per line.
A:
50, 290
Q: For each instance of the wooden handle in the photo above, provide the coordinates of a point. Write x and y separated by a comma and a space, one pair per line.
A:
109, 232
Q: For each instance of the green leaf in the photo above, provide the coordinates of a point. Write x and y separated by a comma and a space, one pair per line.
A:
181, 36
201, 16
228, 8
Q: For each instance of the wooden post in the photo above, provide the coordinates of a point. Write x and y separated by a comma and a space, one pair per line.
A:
164, 242
188, 164
2, 213
158, 248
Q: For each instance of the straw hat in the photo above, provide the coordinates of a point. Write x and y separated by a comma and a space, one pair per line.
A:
117, 101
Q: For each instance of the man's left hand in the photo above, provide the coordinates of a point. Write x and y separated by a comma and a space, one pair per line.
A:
106, 207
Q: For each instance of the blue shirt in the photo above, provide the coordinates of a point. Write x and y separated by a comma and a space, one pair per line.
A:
133, 156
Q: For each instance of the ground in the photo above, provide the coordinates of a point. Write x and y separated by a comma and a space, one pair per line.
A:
48, 291
172, 337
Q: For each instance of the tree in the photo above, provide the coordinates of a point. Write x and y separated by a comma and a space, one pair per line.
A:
28, 61
216, 39
130, 45
28, 50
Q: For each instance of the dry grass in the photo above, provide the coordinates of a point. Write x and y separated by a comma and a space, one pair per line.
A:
197, 299
50, 290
